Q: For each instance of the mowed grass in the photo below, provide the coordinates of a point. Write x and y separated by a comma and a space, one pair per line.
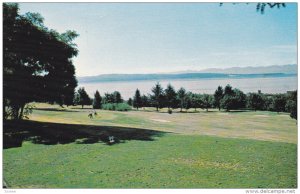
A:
261, 125
195, 150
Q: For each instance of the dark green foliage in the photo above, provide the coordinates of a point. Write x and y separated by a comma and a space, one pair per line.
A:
137, 100
117, 97
233, 99
181, 96
268, 102
228, 90
187, 103
256, 101
170, 96
196, 101
218, 95
279, 103
82, 98
145, 101
291, 104
158, 96
97, 102
228, 102
37, 63
108, 98
130, 102
207, 101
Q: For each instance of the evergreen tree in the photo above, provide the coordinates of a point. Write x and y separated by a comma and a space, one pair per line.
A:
145, 101
181, 95
83, 97
137, 100
196, 101
108, 98
117, 97
129, 102
228, 90
207, 101
157, 96
170, 95
97, 102
218, 95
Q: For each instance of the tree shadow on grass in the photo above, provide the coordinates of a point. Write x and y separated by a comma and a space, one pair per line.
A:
15, 132
55, 109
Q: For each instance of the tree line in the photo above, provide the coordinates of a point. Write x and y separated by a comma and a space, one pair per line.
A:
227, 99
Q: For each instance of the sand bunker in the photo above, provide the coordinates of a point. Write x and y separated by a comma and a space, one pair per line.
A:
160, 120
261, 115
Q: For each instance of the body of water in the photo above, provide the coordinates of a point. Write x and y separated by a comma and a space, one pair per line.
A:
127, 88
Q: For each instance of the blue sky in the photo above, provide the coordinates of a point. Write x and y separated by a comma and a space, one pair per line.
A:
167, 37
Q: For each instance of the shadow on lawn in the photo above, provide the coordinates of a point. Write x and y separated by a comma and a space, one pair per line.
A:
55, 109
15, 132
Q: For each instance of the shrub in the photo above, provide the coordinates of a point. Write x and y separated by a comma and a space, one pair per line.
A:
116, 106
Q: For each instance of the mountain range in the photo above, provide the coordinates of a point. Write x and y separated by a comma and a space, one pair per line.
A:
234, 72
287, 69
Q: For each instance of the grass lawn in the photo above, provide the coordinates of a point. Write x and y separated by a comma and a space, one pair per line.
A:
63, 148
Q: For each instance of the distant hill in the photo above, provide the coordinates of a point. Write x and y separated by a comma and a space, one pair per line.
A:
287, 69
159, 77
212, 73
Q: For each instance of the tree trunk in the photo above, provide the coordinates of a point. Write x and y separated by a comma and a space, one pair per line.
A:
157, 108
15, 112
82, 106
21, 112
219, 108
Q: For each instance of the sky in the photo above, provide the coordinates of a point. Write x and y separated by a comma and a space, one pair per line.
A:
170, 37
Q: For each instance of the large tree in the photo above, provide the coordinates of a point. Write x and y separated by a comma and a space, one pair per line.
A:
117, 97
170, 95
137, 100
145, 101
218, 95
256, 101
108, 98
279, 103
82, 97
37, 61
291, 104
233, 99
157, 96
97, 102
196, 101
207, 101
181, 96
